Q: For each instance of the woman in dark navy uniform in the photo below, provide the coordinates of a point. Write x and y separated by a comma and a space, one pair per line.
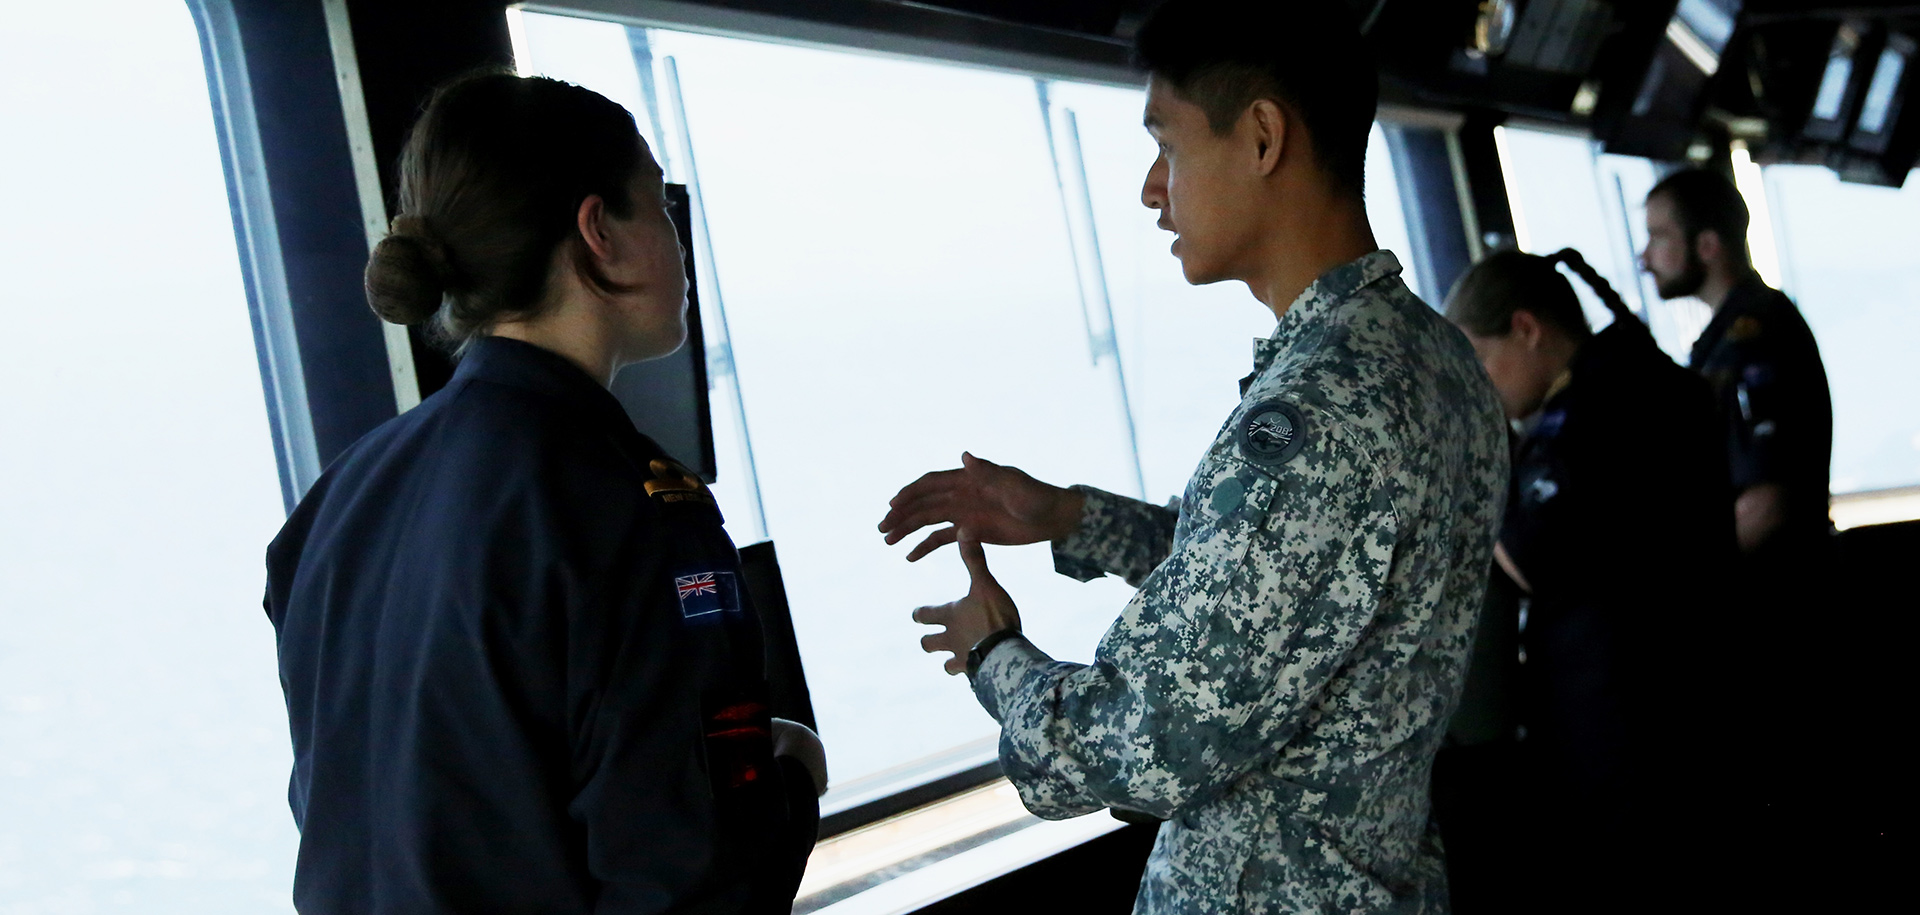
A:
521, 672
1618, 528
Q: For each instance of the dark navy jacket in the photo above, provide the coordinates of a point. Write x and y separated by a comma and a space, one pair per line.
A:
1620, 521
1763, 364
520, 671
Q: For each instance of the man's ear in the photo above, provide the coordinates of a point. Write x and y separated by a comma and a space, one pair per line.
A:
1709, 247
592, 221
1271, 127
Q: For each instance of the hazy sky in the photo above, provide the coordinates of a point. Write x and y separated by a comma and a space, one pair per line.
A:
143, 740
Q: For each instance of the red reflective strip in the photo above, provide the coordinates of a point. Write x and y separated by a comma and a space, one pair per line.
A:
740, 711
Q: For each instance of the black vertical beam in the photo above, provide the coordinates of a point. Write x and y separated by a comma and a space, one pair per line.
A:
1487, 183
1424, 168
309, 172
405, 50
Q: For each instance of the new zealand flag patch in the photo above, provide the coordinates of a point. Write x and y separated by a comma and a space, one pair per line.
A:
706, 594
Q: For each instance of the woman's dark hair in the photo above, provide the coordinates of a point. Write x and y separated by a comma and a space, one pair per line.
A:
1484, 300
491, 183
1224, 55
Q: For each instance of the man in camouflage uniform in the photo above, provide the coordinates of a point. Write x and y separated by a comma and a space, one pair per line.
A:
1278, 687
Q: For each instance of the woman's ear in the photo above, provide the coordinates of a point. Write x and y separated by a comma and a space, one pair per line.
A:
592, 221
1527, 328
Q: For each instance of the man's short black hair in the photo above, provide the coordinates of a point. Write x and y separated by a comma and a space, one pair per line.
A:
1705, 200
1224, 55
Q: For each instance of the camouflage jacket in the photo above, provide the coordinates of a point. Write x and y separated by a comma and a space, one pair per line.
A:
1278, 687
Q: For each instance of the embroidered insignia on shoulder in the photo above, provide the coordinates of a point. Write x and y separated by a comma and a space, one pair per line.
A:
1272, 433
673, 483
1745, 327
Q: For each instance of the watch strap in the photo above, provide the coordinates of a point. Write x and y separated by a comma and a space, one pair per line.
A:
984, 647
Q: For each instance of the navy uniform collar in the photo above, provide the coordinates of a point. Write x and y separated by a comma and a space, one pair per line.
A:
515, 363
1748, 294
1333, 287
1746, 297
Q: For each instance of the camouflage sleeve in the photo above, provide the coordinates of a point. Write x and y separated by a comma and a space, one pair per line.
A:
1126, 537
1214, 664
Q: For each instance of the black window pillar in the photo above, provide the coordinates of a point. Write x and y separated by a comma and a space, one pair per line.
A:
1440, 226
405, 51
1486, 182
303, 248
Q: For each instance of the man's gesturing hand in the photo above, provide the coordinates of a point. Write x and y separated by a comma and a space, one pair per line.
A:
995, 504
985, 610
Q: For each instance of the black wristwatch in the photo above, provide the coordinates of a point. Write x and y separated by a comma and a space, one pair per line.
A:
984, 647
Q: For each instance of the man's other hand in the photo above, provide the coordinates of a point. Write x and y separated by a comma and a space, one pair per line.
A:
994, 504
1757, 513
1507, 565
985, 610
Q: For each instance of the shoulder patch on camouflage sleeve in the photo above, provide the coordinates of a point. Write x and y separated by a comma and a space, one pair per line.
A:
1272, 432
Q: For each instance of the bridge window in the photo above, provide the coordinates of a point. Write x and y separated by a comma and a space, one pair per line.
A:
143, 739
1566, 193
1847, 258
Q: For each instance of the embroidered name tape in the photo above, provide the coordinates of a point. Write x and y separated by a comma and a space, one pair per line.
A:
674, 483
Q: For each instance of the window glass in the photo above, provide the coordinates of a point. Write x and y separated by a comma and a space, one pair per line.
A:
1387, 211
899, 288
1847, 252
1565, 193
143, 740
917, 258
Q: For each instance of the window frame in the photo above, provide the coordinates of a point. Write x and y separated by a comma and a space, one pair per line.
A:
281, 126
257, 240
899, 30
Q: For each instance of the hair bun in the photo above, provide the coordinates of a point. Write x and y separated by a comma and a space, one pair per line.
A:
407, 273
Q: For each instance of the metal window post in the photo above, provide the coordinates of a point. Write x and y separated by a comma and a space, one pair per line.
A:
721, 372
1089, 270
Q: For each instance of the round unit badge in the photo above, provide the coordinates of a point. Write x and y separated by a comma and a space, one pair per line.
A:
1272, 433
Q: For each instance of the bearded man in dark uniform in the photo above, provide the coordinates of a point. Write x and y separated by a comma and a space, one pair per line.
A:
1783, 631
1760, 358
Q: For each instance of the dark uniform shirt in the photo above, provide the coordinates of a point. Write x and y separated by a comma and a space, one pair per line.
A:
1619, 521
1777, 412
1761, 360
520, 672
